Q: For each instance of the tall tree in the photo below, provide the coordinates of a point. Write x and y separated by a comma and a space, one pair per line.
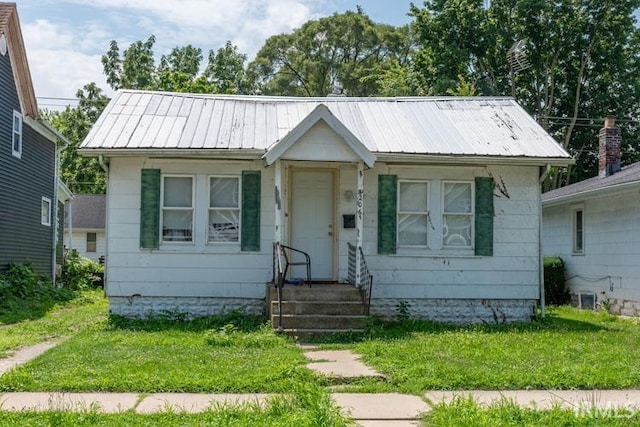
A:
577, 59
179, 71
81, 174
345, 50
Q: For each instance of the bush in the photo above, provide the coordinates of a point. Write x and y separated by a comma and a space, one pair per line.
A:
20, 284
80, 273
555, 290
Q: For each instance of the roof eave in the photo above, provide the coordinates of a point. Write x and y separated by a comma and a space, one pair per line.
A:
596, 192
453, 159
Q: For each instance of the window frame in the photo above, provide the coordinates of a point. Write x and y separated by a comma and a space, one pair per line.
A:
471, 214
192, 208
575, 250
399, 212
225, 208
45, 220
16, 131
94, 242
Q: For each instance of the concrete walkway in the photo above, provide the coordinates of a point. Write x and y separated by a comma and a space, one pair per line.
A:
368, 410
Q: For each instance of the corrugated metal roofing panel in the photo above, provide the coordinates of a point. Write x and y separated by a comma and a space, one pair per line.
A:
420, 125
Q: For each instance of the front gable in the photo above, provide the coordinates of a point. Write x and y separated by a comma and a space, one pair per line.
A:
320, 136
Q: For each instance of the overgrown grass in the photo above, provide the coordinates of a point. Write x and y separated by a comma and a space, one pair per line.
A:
571, 349
229, 354
59, 319
465, 412
307, 406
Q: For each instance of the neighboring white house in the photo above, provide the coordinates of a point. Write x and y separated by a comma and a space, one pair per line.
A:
594, 226
441, 194
84, 228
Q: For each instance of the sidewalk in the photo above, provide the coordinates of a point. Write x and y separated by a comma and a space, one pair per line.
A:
368, 410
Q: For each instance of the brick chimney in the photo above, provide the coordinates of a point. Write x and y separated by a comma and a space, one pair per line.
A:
609, 151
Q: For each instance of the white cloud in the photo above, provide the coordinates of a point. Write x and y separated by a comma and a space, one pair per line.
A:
58, 68
64, 50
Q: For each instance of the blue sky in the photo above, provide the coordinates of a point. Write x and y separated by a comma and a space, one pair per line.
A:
66, 38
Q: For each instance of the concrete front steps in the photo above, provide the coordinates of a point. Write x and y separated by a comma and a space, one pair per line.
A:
317, 310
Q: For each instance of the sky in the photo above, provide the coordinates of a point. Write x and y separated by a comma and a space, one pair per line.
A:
65, 39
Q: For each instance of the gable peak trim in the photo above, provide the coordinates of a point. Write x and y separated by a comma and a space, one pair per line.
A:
320, 113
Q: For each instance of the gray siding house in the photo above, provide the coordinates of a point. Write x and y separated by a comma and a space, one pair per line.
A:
28, 191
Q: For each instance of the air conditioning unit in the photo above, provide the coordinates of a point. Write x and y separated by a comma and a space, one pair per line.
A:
587, 301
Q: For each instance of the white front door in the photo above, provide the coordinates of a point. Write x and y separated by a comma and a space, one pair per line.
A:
312, 216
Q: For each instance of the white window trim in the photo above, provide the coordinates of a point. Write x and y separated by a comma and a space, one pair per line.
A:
427, 213
45, 220
574, 234
192, 209
239, 209
470, 214
14, 152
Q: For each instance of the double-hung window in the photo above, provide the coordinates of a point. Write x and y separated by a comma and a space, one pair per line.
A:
177, 209
224, 210
413, 213
92, 239
457, 214
578, 229
16, 138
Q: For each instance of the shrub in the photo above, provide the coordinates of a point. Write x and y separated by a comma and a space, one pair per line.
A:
555, 291
19, 285
80, 273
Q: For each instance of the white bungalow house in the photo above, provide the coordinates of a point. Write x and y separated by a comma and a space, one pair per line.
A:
594, 226
442, 196
84, 225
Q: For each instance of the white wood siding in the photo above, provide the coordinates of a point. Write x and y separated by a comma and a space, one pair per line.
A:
225, 271
78, 242
216, 270
512, 272
609, 263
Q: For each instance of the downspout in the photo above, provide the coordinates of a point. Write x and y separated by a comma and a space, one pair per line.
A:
56, 178
104, 164
543, 177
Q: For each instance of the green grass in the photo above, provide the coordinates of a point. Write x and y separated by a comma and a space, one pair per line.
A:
34, 320
465, 412
571, 349
203, 355
308, 406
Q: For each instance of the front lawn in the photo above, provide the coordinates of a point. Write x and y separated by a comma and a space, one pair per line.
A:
233, 354
571, 349
60, 319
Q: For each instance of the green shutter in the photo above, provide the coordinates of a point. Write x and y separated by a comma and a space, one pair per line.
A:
250, 239
484, 216
150, 209
387, 213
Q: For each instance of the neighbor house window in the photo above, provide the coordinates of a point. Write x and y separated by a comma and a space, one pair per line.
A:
177, 209
578, 230
224, 209
457, 214
91, 242
16, 143
413, 213
45, 211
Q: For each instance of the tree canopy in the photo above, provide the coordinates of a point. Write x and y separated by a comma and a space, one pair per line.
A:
570, 63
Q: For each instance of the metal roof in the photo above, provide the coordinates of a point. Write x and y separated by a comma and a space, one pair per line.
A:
454, 126
628, 175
